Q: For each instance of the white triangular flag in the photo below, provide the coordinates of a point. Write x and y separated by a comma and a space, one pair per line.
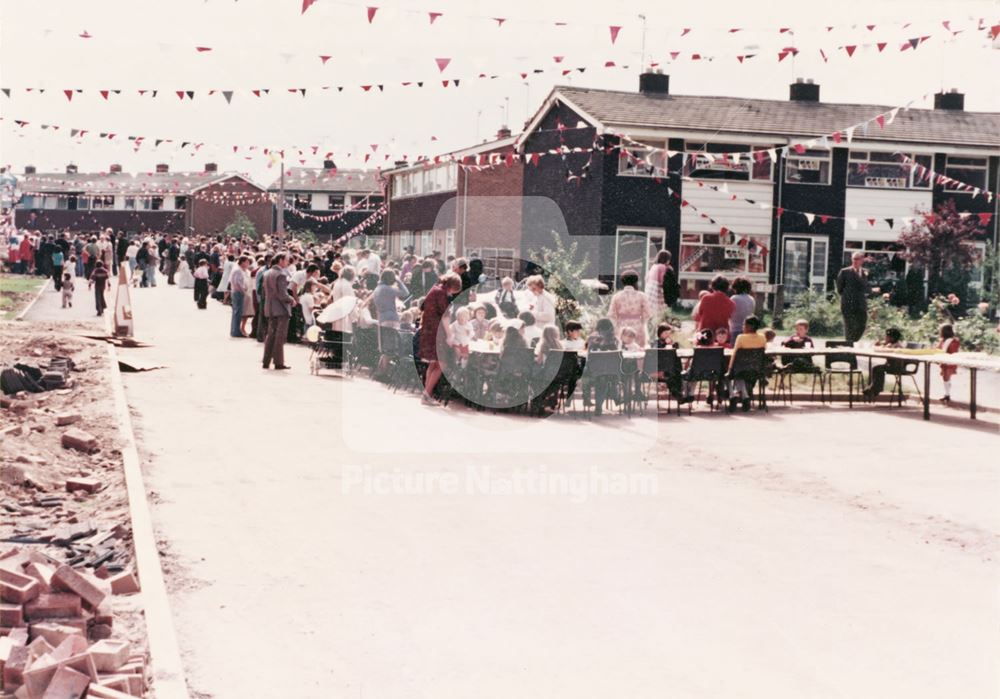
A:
810, 218
772, 154
850, 134
853, 223
892, 115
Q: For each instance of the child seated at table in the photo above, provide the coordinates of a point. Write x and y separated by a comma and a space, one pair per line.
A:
480, 325
573, 341
748, 339
550, 341
512, 340
531, 332
601, 340
461, 335
628, 341
950, 344
406, 322
722, 338
876, 381
801, 339
665, 337
496, 333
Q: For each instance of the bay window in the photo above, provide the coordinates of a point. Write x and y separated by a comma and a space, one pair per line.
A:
812, 167
970, 171
876, 170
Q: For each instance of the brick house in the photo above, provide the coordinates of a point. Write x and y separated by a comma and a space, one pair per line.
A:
462, 203
172, 202
329, 201
623, 198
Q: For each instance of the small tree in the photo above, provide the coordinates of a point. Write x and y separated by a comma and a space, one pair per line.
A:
241, 226
941, 244
564, 268
305, 235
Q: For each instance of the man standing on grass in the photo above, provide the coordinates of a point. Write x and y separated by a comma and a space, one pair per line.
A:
278, 309
852, 285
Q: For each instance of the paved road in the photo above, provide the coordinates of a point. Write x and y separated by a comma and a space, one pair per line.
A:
808, 553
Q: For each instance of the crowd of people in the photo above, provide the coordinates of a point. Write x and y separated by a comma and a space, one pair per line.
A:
277, 289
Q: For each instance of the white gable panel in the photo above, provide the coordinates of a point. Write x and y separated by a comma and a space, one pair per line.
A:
880, 204
738, 216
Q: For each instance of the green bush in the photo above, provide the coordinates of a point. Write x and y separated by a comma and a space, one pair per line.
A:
820, 309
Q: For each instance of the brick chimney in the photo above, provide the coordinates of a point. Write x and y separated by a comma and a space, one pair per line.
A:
952, 99
29, 170
71, 169
329, 165
162, 167
211, 167
654, 83
504, 132
115, 168
803, 90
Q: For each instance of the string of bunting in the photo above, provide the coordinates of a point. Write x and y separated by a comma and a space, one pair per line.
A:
363, 226
360, 206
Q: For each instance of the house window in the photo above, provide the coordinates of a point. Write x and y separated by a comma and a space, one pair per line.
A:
449, 242
886, 267
643, 161
180, 203
976, 273
156, 203
426, 242
425, 181
709, 253
303, 202
727, 162
31, 202
130, 203
803, 264
81, 203
335, 202
971, 171
101, 202
888, 171
812, 167
497, 262
375, 201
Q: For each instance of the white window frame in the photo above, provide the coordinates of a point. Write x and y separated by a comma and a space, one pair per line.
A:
627, 156
864, 156
819, 156
650, 234
745, 271
129, 204
183, 202
329, 202
985, 168
814, 279
717, 164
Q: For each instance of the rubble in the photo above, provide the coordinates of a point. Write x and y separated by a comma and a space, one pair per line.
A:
67, 627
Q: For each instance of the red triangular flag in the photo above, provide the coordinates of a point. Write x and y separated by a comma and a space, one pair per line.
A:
734, 30
995, 31
870, 27
871, 222
614, 33
86, 35
799, 148
674, 55
534, 158
306, 4
881, 45
609, 64
104, 94
371, 14
780, 211
325, 59
836, 137
850, 50
202, 49
366, 88
499, 21
686, 30
984, 219
558, 59
180, 94
433, 16
442, 63
880, 119
782, 55
824, 218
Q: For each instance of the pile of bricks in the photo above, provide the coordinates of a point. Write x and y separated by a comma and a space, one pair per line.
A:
56, 631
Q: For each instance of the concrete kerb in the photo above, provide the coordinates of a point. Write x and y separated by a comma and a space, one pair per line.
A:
22, 314
167, 669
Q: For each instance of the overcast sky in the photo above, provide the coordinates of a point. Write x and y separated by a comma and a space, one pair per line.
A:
140, 44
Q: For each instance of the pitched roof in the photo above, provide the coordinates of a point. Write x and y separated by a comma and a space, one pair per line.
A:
123, 183
735, 115
306, 179
497, 144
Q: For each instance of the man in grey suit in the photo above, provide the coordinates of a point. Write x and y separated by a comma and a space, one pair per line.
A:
278, 309
852, 285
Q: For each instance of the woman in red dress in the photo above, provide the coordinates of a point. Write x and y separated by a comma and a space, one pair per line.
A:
435, 307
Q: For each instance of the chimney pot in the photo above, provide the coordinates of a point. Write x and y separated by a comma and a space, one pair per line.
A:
329, 165
503, 132
29, 170
71, 169
211, 167
115, 168
162, 167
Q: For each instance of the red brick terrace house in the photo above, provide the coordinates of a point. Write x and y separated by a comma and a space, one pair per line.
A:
175, 202
463, 203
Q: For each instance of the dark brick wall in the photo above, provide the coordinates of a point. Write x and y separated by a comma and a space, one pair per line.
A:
130, 221
208, 217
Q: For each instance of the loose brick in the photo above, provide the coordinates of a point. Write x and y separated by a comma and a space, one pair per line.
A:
104, 614
98, 692
54, 632
67, 684
39, 647
53, 605
102, 572
75, 438
99, 632
71, 646
38, 675
11, 615
110, 655
19, 637
65, 579
13, 669
17, 588
42, 573
63, 419
86, 485
124, 583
